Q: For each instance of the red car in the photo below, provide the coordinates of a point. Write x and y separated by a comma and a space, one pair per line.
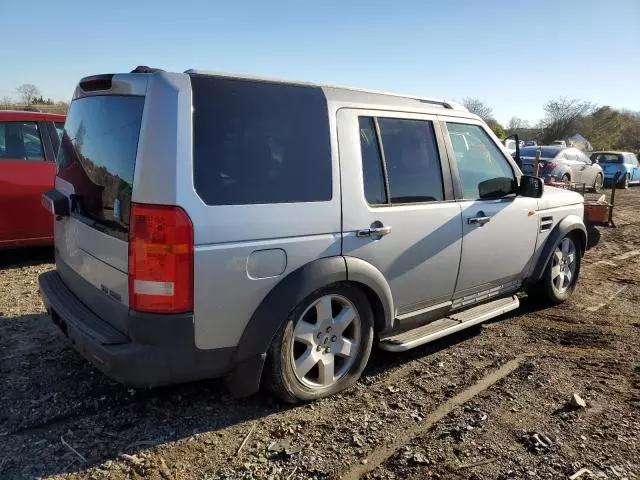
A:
28, 145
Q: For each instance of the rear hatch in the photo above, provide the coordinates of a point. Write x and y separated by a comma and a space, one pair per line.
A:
529, 166
96, 164
610, 169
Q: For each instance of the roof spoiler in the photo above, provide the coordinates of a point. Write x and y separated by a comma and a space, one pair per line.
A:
145, 69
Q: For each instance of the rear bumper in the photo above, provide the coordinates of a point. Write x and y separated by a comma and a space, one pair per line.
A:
172, 358
608, 177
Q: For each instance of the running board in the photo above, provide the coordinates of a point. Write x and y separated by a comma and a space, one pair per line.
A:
448, 325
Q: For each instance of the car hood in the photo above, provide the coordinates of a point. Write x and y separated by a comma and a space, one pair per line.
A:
558, 197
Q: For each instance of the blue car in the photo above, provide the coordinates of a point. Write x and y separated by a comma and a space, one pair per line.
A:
613, 162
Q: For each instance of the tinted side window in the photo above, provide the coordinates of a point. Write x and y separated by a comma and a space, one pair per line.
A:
413, 164
484, 171
259, 142
20, 141
374, 188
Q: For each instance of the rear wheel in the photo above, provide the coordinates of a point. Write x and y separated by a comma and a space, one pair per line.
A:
323, 347
565, 178
561, 273
625, 182
597, 184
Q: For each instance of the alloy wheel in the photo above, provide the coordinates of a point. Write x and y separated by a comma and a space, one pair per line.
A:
326, 341
563, 268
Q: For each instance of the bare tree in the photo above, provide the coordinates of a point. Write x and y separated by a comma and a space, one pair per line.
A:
563, 117
478, 107
28, 92
516, 123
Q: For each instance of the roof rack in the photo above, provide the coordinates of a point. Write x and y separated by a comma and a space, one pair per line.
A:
432, 101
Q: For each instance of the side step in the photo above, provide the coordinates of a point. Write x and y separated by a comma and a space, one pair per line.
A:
447, 325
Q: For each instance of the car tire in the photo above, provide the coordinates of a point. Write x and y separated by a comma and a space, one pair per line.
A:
554, 287
624, 183
316, 354
598, 182
565, 178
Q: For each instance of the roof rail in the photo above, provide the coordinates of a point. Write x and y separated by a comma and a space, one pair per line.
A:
432, 101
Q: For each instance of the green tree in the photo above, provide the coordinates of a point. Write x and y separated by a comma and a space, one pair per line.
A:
497, 128
603, 128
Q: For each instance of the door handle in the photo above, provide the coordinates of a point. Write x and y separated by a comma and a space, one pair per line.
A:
374, 232
478, 220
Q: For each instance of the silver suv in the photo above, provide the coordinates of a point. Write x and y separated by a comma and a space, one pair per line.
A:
213, 225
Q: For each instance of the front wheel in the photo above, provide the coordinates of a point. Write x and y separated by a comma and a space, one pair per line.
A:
323, 347
565, 178
561, 273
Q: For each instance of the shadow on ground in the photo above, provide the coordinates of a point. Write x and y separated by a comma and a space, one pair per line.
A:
25, 257
56, 394
593, 236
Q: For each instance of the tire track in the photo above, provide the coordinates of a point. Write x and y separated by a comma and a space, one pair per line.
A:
378, 456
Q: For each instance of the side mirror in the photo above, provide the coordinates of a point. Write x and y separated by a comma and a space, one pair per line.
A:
497, 187
530, 186
516, 156
55, 202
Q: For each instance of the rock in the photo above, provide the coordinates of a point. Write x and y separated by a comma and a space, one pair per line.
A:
577, 401
420, 459
132, 459
164, 470
580, 473
285, 447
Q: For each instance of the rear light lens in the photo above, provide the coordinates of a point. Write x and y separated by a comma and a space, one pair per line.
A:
160, 259
550, 165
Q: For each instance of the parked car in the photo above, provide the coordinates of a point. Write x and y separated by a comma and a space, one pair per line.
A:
28, 142
530, 143
510, 145
623, 163
559, 143
253, 228
563, 164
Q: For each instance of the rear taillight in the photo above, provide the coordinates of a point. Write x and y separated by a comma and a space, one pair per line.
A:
160, 259
550, 165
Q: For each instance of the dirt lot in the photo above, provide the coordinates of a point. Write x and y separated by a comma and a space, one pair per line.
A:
488, 403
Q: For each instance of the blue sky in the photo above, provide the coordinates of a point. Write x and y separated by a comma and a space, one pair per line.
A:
514, 55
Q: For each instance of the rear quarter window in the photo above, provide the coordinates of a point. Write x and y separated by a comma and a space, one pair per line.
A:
259, 142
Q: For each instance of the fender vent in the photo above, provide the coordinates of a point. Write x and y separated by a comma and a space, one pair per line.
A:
546, 223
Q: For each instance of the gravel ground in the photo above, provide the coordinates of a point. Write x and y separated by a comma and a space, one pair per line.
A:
490, 402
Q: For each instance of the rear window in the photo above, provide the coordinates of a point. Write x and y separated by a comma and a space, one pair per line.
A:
98, 155
607, 157
259, 142
545, 152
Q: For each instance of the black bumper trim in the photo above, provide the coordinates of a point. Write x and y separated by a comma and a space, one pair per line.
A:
115, 354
